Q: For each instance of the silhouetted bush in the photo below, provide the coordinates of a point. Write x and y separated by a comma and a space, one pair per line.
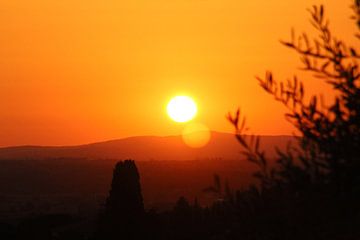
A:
314, 189
327, 153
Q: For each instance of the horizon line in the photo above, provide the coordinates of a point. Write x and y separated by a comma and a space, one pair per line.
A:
136, 136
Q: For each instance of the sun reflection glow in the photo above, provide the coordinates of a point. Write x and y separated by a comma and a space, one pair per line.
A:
196, 135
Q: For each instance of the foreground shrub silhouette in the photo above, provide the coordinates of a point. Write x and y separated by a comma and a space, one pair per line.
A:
330, 135
315, 183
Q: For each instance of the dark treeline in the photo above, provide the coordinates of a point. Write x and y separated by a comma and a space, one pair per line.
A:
245, 214
248, 214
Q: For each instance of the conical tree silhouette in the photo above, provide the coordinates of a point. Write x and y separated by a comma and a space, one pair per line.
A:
125, 199
124, 209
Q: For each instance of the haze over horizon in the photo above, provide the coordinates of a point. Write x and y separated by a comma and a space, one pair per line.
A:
222, 146
137, 136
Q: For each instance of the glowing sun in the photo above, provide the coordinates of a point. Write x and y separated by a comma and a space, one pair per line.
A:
181, 109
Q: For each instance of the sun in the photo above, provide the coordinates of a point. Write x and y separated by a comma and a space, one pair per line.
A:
181, 108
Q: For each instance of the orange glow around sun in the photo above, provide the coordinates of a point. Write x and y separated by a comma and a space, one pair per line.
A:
74, 73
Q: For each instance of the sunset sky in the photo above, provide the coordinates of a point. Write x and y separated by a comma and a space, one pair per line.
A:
74, 72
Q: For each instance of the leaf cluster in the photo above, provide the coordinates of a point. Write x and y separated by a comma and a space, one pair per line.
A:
327, 151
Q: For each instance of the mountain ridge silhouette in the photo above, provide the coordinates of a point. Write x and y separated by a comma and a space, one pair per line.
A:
142, 148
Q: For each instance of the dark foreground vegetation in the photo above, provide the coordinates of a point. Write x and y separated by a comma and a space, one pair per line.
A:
312, 192
246, 214
76, 189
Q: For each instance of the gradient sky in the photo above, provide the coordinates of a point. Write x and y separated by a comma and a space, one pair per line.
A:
74, 71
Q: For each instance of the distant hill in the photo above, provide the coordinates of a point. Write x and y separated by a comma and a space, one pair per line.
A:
142, 148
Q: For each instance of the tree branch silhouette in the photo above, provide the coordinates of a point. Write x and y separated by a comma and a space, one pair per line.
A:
330, 135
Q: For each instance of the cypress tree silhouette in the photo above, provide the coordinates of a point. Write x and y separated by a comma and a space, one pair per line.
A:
124, 209
125, 199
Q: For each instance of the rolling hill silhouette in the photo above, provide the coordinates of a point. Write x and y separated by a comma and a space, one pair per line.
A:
142, 148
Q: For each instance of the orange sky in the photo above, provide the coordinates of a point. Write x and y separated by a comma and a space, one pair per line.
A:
74, 71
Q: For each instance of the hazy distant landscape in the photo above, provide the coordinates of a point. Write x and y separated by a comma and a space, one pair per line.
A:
67, 185
36, 179
47, 179
143, 148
